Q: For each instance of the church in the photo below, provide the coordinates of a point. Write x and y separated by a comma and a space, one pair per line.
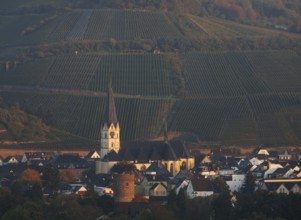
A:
171, 154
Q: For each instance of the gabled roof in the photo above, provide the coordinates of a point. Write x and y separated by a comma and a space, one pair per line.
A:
8, 158
128, 155
12, 171
156, 185
150, 151
92, 154
141, 155
159, 170
169, 153
201, 184
180, 149
182, 175
70, 160
272, 186
112, 156
155, 178
155, 155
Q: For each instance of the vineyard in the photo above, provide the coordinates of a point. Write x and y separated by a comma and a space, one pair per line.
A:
125, 25
71, 72
219, 28
136, 74
64, 27
229, 97
132, 74
89, 25
16, 30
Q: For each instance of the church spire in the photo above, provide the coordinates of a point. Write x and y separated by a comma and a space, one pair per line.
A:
110, 111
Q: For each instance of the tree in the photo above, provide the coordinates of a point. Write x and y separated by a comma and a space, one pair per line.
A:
31, 176
35, 192
123, 167
7, 200
221, 203
181, 202
249, 184
51, 178
171, 200
222, 206
65, 207
199, 209
68, 176
28, 210
220, 186
106, 203
158, 213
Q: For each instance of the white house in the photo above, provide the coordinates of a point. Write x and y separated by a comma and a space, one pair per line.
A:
236, 182
158, 189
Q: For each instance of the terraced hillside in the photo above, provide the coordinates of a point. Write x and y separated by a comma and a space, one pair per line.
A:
231, 97
218, 28
88, 24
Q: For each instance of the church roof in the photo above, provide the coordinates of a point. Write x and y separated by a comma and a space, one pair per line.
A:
112, 156
110, 110
151, 150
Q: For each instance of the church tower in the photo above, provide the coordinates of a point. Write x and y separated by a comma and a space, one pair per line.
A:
110, 131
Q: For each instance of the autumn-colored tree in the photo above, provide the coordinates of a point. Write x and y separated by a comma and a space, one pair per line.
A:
31, 176
68, 176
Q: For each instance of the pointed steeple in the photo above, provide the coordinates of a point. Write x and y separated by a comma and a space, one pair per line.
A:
110, 111
165, 132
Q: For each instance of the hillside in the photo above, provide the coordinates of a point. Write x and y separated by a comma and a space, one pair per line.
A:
234, 98
230, 81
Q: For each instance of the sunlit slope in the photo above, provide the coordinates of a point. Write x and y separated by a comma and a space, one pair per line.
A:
52, 27
89, 24
218, 28
231, 97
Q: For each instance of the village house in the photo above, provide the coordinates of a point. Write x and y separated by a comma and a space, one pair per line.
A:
199, 187
10, 160
235, 182
282, 186
148, 181
71, 163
